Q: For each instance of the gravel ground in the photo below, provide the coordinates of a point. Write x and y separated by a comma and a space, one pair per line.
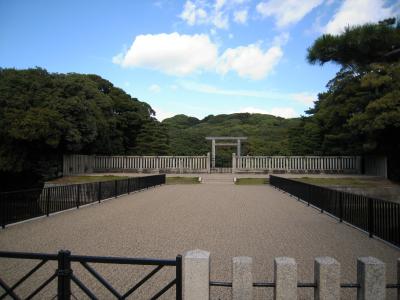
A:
225, 219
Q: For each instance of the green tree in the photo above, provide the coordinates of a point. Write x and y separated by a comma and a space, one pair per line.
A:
45, 115
360, 111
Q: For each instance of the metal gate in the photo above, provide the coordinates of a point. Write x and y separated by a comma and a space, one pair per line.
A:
65, 276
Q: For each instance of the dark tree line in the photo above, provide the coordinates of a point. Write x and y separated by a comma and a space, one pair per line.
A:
45, 115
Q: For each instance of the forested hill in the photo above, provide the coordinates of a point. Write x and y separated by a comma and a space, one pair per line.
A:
267, 135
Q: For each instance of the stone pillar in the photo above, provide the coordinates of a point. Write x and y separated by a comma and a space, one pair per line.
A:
233, 163
285, 270
327, 277
238, 149
371, 276
196, 275
242, 278
213, 153
208, 162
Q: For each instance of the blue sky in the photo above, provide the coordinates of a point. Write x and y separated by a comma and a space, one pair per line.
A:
193, 57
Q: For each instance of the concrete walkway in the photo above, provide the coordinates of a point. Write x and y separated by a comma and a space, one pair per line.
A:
225, 219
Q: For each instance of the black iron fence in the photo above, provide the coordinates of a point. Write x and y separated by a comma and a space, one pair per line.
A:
65, 275
26, 204
378, 217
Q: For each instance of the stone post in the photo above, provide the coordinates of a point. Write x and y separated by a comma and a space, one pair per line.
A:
239, 150
327, 277
213, 153
371, 276
285, 270
242, 278
208, 163
196, 275
233, 163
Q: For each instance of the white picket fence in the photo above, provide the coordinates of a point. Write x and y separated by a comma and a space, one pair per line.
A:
297, 164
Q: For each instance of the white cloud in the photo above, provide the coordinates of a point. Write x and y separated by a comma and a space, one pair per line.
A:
250, 61
161, 114
357, 12
281, 39
218, 14
240, 16
186, 54
284, 112
154, 88
180, 55
301, 97
286, 12
193, 14
220, 20
304, 97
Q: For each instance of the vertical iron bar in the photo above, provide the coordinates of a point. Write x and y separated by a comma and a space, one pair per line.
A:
64, 275
370, 217
3, 206
178, 286
340, 207
78, 195
99, 192
47, 201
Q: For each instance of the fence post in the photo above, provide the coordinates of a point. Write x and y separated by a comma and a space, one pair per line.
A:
64, 275
78, 195
99, 192
208, 162
233, 162
340, 207
3, 209
398, 278
371, 276
179, 277
327, 277
47, 201
196, 275
285, 270
242, 278
370, 217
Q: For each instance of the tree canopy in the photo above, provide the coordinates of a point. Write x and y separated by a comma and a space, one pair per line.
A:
360, 111
45, 115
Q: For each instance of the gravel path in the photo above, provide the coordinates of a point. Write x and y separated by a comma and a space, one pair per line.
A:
225, 219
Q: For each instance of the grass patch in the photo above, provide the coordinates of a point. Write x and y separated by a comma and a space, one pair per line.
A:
86, 179
355, 182
251, 181
182, 180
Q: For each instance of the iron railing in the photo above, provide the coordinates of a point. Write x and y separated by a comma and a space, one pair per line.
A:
378, 217
65, 275
314, 285
21, 205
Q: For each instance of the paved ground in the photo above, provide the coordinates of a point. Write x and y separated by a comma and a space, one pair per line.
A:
225, 219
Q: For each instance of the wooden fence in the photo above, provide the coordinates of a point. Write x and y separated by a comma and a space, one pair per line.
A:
297, 164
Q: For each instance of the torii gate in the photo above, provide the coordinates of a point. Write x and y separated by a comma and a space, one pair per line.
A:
237, 143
